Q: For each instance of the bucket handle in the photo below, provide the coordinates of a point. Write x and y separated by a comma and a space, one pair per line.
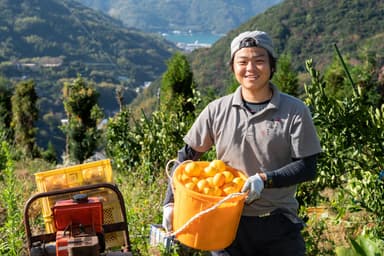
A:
169, 175
167, 167
228, 197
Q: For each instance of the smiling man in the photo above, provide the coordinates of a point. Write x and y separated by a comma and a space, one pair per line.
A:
269, 135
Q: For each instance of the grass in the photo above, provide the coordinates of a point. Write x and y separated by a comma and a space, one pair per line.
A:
144, 207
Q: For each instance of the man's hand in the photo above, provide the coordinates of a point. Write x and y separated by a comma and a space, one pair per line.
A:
254, 185
168, 217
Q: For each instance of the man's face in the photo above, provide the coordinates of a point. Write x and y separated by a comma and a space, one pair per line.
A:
252, 68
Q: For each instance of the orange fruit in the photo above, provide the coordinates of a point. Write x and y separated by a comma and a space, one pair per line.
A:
210, 181
192, 169
230, 188
210, 171
218, 164
202, 184
184, 178
217, 191
239, 182
195, 180
208, 191
228, 176
190, 185
215, 179
219, 179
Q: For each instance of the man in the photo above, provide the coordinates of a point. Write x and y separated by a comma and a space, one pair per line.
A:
267, 134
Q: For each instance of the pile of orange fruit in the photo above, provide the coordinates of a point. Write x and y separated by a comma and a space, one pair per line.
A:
213, 178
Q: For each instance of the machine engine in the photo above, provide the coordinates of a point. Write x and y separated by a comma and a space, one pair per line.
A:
79, 228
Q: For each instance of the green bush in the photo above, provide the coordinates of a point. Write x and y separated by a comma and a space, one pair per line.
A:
143, 147
351, 136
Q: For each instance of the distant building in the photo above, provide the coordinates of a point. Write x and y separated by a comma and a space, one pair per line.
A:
189, 47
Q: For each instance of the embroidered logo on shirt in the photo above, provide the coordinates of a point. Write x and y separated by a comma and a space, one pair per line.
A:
273, 125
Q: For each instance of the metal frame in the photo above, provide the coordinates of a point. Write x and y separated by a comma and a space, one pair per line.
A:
107, 228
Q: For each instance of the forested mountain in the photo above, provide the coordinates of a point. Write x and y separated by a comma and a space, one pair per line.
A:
217, 16
57, 39
304, 29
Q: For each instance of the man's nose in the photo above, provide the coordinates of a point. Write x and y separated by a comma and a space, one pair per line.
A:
250, 65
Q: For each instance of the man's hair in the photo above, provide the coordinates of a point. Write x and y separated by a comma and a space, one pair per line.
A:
251, 42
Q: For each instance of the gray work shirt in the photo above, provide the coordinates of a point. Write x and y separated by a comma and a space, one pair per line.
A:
260, 142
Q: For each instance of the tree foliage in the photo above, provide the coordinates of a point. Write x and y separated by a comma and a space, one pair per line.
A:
142, 147
83, 113
352, 137
24, 115
286, 78
177, 85
5, 107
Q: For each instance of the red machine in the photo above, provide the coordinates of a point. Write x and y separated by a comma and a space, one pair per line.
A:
79, 223
79, 212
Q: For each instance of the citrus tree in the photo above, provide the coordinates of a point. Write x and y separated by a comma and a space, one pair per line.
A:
352, 137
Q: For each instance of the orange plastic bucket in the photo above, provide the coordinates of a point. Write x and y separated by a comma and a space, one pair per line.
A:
214, 229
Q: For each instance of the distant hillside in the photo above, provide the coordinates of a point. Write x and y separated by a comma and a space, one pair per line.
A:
305, 29
218, 16
60, 38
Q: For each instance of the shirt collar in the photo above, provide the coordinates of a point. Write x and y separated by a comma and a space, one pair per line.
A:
274, 103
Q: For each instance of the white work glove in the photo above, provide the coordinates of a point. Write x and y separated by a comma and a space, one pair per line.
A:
254, 185
168, 217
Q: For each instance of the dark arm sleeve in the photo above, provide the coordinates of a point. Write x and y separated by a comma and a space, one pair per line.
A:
186, 153
300, 170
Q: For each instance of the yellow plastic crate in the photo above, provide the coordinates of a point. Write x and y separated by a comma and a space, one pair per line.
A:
73, 176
